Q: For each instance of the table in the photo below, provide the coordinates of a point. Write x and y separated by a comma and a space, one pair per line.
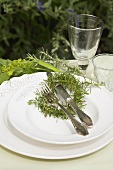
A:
100, 160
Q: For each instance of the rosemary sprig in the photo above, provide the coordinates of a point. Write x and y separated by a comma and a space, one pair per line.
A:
77, 88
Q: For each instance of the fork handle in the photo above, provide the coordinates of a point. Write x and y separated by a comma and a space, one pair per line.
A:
80, 128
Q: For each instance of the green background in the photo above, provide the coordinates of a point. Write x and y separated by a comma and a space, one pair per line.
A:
28, 25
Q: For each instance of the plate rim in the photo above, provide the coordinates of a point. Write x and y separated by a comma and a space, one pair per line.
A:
108, 136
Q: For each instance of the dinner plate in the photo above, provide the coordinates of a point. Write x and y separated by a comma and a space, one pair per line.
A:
29, 121
16, 142
25, 146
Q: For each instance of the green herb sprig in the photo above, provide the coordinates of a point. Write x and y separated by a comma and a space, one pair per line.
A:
77, 88
16, 68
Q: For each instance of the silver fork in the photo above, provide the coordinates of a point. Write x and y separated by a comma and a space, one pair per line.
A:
51, 97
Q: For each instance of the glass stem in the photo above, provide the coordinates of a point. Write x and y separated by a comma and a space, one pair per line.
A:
83, 64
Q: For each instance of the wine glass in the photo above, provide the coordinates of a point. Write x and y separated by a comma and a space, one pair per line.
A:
84, 35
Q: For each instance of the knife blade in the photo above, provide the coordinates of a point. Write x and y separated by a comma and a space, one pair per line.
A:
65, 95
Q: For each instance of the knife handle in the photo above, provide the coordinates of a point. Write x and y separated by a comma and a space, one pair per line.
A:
82, 116
80, 128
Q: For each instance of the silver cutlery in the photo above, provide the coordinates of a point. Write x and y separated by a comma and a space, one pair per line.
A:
82, 116
52, 99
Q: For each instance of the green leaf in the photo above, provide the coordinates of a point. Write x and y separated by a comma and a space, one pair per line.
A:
47, 4
4, 62
4, 77
18, 72
48, 66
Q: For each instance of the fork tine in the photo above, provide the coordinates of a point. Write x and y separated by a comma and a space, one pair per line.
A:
50, 96
47, 88
42, 90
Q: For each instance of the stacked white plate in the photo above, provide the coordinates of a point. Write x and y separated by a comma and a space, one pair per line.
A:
26, 131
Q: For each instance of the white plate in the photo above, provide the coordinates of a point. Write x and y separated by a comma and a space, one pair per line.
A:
18, 143
29, 121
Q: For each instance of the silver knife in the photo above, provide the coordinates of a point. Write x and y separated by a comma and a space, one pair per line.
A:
82, 116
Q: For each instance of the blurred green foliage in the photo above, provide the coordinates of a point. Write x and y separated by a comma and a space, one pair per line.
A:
28, 25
